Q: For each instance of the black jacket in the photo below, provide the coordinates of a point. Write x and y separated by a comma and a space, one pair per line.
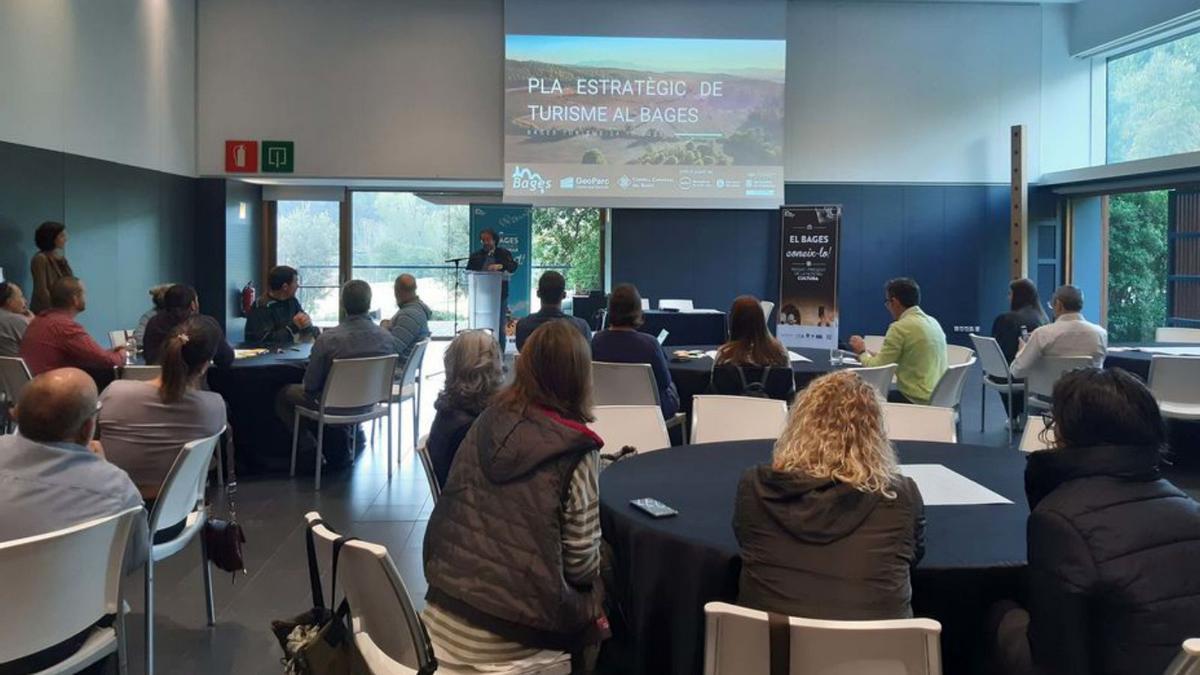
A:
821, 549
450, 427
502, 256
1007, 328
1114, 561
270, 321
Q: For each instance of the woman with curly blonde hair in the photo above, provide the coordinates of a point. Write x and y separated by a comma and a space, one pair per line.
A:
830, 529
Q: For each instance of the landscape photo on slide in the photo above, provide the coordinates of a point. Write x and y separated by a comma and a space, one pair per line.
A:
585, 100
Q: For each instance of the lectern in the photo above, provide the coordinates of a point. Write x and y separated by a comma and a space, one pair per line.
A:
483, 300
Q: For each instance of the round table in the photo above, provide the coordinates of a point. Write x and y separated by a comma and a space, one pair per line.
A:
666, 569
1183, 436
692, 377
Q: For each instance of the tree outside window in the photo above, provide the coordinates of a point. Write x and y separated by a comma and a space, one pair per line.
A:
1154, 101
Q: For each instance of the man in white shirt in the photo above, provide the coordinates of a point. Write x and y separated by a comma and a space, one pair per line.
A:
1069, 335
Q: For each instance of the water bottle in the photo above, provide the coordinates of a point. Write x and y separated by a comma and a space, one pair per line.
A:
130, 350
835, 357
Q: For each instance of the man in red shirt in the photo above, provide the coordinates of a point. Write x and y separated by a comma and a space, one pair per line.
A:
55, 339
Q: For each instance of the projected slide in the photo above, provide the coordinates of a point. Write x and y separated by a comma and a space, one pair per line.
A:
644, 121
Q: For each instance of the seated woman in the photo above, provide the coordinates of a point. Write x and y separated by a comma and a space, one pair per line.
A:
1025, 313
830, 529
473, 375
512, 550
750, 343
1112, 544
180, 303
143, 425
623, 343
157, 297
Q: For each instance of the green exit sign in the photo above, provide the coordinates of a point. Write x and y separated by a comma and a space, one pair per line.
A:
278, 156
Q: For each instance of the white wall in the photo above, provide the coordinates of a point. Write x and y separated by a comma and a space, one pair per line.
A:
114, 80
1095, 23
1067, 117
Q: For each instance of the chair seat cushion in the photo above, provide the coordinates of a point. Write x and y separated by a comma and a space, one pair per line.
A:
1183, 411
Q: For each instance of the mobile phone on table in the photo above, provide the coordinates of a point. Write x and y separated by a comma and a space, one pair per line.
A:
653, 507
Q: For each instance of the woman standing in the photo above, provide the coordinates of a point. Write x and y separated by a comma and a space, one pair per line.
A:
49, 264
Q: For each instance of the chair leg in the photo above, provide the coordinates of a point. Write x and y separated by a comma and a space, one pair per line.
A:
982, 405
122, 641
354, 443
416, 410
295, 440
389, 443
150, 616
221, 462
1008, 412
320, 454
206, 573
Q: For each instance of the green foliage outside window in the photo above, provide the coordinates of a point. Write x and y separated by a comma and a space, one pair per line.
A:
568, 238
1137, 266
1154, 101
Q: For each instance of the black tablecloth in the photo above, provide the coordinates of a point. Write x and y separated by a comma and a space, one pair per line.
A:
667, 569
686, 328
692, 377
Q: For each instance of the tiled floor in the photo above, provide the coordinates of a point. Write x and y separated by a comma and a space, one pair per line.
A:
361, 502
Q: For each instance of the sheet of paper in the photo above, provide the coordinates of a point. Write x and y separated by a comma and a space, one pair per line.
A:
1172, 351
794, 357
942, 487
1122, 349
247, 353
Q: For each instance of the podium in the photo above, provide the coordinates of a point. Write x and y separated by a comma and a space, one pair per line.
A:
483, 300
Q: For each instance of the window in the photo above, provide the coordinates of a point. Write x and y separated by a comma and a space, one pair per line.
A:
399, 232
1154, 101
1137, 265
306, 235
567, 240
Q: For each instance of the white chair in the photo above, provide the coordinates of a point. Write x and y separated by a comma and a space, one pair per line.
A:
408, 388
435, 490
717, 419
948, 391
957, 354
14, 375
352, 384
909, 422
180, 500
879, 377
627, 384
138, 373
118, 337
1036, 436
676, 305
645, 304
640, 426
1175, 383
1040, 380
52, 597
767, 308
737, 642
997, 376
873, 343
1177, 334
1188, 661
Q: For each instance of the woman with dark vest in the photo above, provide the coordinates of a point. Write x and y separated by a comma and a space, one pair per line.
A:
512, 550
49, 264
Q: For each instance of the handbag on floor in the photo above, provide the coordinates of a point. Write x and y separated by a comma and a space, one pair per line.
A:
223, 539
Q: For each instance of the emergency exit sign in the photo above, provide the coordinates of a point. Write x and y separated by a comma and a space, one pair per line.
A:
278, 156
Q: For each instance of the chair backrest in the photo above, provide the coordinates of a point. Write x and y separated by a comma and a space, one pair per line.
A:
908, 422
1173, 379
948, 392
737, 642
1040, 380
645, 304
139, 373
767, 308
55, 595
14, 375
736, 418
1188, 661
956, 354
376, 661
1036, 437
873, 343
182, 490
641, 426
357, 383
412, 367
118, 337
676, 304
623, 384
1176, 334
991, 357
435, 489
879, 377
779, 382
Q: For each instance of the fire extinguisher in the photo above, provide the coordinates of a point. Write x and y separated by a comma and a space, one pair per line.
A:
248, 297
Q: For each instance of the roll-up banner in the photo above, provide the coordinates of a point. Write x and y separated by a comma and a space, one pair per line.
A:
808, 276
514, 224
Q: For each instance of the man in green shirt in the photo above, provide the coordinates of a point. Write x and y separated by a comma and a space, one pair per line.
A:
914, 342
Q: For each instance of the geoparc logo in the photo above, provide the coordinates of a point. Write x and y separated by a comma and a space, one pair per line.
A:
529, 181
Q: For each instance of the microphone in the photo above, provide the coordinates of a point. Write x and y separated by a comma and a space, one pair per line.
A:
454, 260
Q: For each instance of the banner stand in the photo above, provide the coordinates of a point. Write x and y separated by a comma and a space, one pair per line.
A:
808, 276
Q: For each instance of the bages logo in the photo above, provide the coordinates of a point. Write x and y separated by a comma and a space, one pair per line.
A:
529, 181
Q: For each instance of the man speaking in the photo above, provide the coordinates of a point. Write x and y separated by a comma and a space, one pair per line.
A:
492, 258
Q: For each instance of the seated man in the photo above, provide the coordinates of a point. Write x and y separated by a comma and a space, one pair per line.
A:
914, 342
1069, 335
277, 318
355, 337
410, 324
55, 339
551, 290
14, 318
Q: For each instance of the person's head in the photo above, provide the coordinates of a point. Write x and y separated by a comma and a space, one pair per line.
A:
356, 297
489, 239
554, 372
158, 295
1023, 294
50, 235
405, 288
551, 289
59, 406
749, 339
180, 301
473, 371
1096, 406
186, 356
836, 431
900, 294
625, 307
11, 298
1067, 299
68, 293
282, 281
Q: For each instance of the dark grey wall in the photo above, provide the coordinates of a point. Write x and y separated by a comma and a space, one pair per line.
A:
128, 228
